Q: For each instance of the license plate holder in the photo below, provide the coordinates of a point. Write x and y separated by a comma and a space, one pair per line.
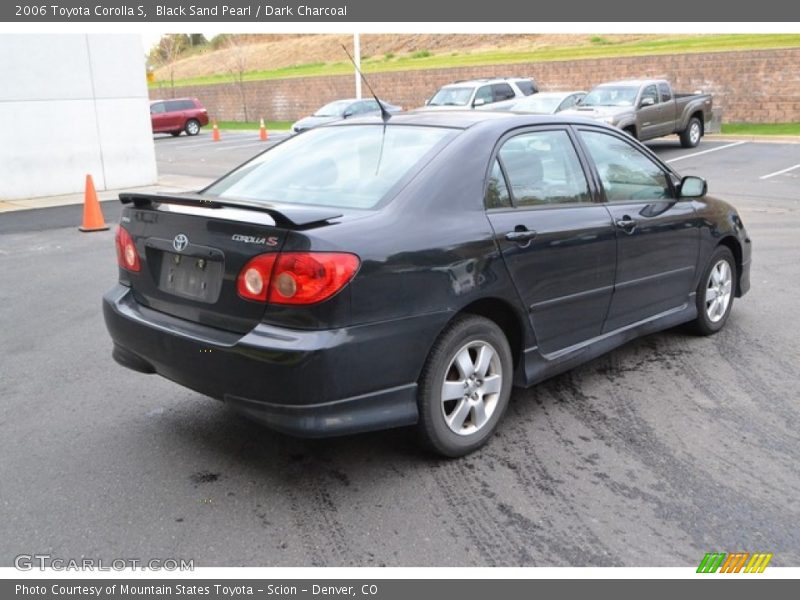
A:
190, 277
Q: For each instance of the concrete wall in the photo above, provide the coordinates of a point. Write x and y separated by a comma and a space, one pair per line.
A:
758, 86
72, 105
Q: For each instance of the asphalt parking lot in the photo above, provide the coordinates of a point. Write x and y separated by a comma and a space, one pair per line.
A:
665, 449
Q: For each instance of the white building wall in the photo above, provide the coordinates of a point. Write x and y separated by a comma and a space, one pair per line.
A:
72, 105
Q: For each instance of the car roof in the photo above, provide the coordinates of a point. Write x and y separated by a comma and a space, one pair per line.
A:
466, 82
464, 119
552, 94
632, 82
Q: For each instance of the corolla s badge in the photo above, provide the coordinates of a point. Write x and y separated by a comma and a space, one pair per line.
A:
180, 242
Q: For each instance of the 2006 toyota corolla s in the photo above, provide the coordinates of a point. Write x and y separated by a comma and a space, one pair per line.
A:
368, 275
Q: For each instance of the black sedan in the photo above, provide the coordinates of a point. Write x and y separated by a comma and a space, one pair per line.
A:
343, 109
373, 274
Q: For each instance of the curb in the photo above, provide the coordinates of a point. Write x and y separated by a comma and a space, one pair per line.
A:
767, 139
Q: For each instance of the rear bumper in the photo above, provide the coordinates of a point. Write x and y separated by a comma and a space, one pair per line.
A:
307, 383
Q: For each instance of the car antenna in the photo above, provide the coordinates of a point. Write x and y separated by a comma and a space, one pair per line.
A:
385, 114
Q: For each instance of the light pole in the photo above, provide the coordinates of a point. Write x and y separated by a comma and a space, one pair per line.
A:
357, 58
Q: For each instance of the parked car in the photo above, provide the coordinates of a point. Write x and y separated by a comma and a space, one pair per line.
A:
494, 94
180, 114
366, 275
548, 103
647, 109
343, 109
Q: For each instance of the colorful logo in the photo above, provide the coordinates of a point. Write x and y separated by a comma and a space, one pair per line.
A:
737, 562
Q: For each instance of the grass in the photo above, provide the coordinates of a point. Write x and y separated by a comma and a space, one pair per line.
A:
761, 128
270, 125
597, 49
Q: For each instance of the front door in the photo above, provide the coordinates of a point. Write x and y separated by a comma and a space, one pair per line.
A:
559, 245
648, 114
658, 236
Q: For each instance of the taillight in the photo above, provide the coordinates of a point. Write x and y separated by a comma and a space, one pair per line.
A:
253, 280
127, 256
296, 277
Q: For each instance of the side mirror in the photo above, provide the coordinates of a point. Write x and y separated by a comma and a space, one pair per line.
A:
347, 113
647, 101
693, 187
479, 102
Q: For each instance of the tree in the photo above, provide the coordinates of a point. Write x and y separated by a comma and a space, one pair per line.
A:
236, 63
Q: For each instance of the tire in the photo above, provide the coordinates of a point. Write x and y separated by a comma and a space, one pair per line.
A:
718, 281
192, 127
464, 422
693, 133
175, 133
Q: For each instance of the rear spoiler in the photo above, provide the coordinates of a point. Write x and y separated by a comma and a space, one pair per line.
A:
286, 215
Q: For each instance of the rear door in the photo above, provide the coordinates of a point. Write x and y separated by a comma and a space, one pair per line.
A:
658, 236
668, 111
503, 95
174, 118
558, 244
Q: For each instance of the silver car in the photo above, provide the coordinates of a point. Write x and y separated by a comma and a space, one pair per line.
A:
548, 103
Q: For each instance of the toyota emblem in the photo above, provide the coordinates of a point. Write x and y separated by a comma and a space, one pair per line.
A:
180, 242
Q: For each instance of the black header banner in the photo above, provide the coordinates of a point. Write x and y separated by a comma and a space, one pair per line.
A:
397, 11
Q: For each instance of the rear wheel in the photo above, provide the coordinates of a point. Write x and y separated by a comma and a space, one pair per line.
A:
691, 136
715, 292
465, 386
192, 127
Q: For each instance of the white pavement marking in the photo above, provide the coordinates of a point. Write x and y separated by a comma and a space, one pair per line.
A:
672, 160
781, 172
243, 145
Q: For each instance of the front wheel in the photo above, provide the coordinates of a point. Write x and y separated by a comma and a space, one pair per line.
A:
690, 136
715, 292
465, 386
192, 127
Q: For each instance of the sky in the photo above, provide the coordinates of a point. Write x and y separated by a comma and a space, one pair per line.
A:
151, 39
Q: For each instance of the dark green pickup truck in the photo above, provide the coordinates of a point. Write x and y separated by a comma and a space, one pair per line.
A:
647, 109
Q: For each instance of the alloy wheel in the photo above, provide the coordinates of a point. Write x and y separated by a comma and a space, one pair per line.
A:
718, 291
471, 388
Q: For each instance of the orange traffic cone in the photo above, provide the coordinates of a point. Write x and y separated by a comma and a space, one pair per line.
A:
262, 131
215, 132
92, 215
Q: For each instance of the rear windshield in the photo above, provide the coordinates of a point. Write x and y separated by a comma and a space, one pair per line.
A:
350, 167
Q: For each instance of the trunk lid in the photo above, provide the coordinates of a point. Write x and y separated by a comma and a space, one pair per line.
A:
192, 250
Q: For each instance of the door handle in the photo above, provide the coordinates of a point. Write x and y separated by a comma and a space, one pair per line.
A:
521, 235
627, 224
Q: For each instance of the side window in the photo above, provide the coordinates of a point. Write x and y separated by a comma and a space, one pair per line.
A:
173, 105
543, 168
650, 92
497, 190
526, 86
626, 173
158, 108
502, 91
666, 93
568, 102
370, 106
484, 93
187, 105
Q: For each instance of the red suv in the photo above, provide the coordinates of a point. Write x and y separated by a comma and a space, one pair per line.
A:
180, 114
